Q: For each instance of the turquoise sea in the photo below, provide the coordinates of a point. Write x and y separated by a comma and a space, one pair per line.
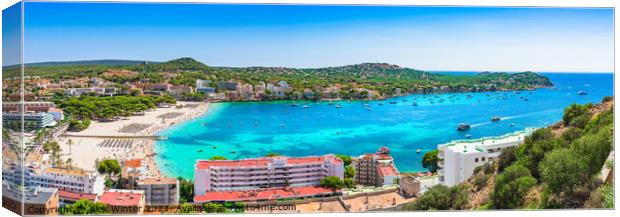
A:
243, 130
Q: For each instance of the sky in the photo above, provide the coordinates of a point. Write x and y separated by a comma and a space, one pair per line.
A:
427, 38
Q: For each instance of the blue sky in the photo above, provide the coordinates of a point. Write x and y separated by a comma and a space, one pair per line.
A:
428, 38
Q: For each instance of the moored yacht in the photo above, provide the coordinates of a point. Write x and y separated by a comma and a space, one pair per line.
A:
463, 127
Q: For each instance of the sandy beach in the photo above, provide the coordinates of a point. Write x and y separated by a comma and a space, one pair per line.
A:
102, 140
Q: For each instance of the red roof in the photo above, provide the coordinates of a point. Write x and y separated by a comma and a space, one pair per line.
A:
116, 198
133, 163
266, 194
75, 196
262, 162
387, 170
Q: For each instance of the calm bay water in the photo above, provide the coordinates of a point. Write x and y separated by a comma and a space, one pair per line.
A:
243, 130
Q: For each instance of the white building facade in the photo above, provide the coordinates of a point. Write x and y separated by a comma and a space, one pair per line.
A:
267, 172
458, 159
65, 179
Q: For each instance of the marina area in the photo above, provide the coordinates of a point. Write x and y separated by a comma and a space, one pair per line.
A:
409, 125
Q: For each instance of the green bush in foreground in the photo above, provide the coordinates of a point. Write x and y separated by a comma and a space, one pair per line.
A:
441, 197
511, 186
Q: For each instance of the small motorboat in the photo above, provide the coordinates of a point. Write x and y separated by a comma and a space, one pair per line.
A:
294, 104
200, 150
468, 136
418, 150
214, 147
306, 106
393, 102
512, 124
338, 106
496, 119
581, 92
463, 127
380, 103
233, 151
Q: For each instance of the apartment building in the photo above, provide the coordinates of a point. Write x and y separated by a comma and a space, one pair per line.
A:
28, 106
159, 191
458, 159
263, 173
32, 121
376, 169
131, 171
32, 201
65, 179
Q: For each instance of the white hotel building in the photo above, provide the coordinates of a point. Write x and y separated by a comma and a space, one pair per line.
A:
458, 159
65, 179
263, 173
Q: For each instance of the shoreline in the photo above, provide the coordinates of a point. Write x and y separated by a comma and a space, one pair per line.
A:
108, 140
381, 98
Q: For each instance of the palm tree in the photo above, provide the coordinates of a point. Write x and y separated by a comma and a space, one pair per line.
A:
68, 163
69, 143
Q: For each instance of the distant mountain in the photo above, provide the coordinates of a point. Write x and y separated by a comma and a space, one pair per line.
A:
185, 63
109, 62
387, 79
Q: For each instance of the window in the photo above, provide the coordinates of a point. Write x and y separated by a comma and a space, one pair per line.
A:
476, 160
482, 158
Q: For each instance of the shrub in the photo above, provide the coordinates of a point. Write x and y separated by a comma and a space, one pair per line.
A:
574, 111
332, 182
511, 186
563, 172
430, 159
441, 197
507, 158
571, 134
345, 159
109, 166
349, 172
593, 149
481, 181
76, 125
349, 183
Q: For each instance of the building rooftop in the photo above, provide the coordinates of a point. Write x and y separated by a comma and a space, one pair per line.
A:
387, 170
72, 172
266, 194
157, 181
133, 163
408, 180
37, 195
74, 196
29, 103
117, 197
475, 145
263, 162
